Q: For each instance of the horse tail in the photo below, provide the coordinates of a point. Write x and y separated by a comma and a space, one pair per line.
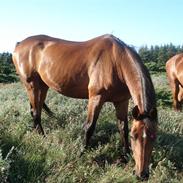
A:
47, 110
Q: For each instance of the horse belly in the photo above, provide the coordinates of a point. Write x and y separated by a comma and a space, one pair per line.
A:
77, 91
75, 87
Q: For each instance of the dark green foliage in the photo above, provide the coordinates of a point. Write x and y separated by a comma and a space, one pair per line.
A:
7, 69
163, 93
155, 57
164, 97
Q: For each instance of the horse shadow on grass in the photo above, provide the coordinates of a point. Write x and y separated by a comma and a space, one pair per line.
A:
106, 132
103, 133
106, 139
171, 146
21, 169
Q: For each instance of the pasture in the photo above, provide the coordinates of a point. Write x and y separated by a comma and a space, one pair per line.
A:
26, 156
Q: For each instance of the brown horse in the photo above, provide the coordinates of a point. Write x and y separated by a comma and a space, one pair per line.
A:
103, 69
174, 69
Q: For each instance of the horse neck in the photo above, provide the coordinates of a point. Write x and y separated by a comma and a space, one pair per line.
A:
139, 82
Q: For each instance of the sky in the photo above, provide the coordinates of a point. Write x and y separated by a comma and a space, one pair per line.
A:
136, 22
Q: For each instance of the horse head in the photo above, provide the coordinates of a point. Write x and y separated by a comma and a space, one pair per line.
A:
143, 135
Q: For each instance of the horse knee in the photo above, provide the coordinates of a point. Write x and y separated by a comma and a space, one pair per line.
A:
36, 118
35, 114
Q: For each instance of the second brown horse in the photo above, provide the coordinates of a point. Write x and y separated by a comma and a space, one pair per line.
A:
174, 69
103, 69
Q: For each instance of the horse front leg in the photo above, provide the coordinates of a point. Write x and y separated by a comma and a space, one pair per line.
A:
121, 114
94, 106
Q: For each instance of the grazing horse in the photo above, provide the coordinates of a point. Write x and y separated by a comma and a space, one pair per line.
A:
103, 69
174, 69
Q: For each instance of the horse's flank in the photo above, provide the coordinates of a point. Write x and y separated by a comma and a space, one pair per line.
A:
102, 65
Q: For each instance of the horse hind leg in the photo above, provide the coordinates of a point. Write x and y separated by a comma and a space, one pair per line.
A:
175, 91
37, 90
180, 96
174, 86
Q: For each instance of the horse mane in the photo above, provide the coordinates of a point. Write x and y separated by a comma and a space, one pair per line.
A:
148, 92
149, 97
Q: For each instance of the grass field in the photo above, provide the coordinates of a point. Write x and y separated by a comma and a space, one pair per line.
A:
26, 156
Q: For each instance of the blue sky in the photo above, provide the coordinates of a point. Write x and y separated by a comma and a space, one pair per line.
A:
137, 22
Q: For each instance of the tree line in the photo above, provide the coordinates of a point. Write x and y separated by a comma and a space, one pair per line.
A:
7, 69
154, 58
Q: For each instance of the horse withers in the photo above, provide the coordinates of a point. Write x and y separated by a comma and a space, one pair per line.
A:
174, 70
103, 69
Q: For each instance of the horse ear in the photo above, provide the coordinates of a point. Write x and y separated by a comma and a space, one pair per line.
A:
135, 112
153, 113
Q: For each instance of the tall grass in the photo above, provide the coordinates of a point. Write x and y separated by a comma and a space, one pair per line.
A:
26, 156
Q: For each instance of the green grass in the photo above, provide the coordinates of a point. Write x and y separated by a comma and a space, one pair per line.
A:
26, 156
